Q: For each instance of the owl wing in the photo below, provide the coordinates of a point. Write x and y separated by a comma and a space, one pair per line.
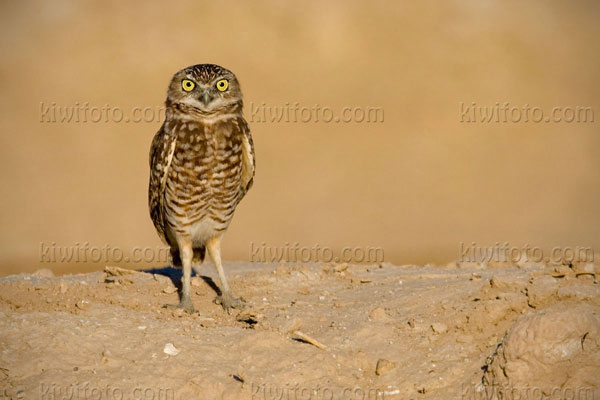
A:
248, 162
161, 154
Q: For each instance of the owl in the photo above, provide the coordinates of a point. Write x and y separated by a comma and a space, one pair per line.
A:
201, 166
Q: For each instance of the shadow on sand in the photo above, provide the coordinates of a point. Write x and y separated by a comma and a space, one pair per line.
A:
176, 275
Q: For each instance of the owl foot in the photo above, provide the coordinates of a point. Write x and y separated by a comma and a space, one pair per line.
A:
228, 302
185, 305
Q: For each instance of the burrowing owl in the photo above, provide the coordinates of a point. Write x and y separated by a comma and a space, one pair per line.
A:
201, 166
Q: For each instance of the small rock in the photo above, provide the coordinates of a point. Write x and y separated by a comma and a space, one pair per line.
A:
170, 349
340, 267
82, 304
250, 317
560, 271
169, 289
541, 291
439, 327
328, 268
178, 312
124, 280
378, 314
498, 283
111, 282
384, 366
161, 278
63, 287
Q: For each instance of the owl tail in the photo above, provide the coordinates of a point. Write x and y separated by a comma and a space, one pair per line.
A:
197, 258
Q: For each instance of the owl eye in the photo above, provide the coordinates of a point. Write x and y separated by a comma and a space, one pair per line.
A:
188, 85
222, 85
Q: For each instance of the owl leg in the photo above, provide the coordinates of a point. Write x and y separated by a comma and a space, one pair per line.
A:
186, 254
226, 300
198, 258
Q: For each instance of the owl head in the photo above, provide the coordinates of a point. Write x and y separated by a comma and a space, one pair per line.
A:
206, 88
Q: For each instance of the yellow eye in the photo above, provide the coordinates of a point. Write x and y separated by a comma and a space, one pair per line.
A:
188, 85
222, 85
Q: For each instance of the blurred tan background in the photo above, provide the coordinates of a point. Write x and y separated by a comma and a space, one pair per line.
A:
416, 185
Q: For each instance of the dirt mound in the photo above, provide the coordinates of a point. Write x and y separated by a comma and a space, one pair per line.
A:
552, 353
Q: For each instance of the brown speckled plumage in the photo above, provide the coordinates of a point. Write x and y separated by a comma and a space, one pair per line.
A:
201, 166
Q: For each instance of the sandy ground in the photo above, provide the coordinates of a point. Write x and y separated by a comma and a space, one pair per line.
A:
370, 332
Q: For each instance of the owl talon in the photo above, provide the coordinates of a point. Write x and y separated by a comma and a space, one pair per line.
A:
186, 306
228, 302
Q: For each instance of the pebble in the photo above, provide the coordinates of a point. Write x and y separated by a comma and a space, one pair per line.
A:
384, 366
439, 327
170, 349
82, 304
378, 314
178, 312
161, 278
340, 267
169, 289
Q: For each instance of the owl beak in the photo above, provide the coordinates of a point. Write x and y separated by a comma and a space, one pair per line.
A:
205, 98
